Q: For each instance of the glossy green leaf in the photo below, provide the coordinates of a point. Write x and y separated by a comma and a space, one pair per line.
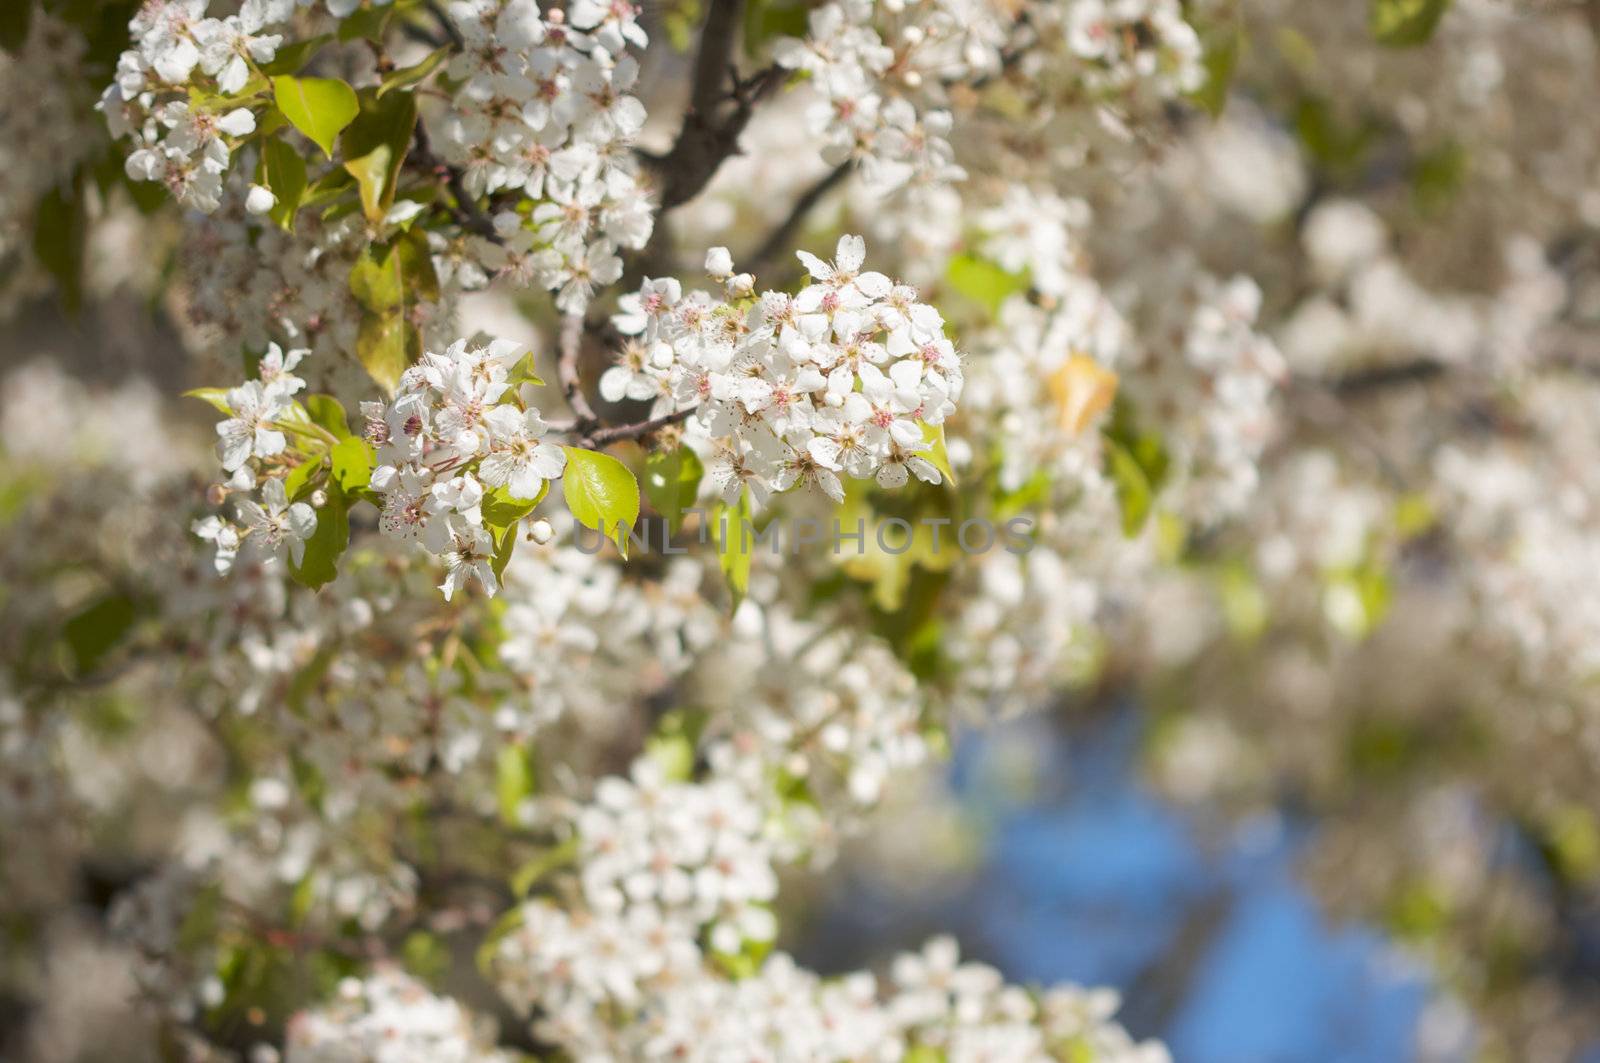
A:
502, 510
327, 412
386, 345
217, 398
352, 463
319, 107
602, 493
284, 172
320, 564
374, 148
672, 481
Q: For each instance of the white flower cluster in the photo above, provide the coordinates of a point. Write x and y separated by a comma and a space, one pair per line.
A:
543, 107
836, 715
171, 88
601, 996
253, 445
388, 1017
1211, 381
456, 426
881, 89
794, 390
1124, 43
694, 854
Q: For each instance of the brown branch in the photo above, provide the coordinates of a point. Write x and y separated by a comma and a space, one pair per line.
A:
571, 346
1378, 378
620, 432
710, 132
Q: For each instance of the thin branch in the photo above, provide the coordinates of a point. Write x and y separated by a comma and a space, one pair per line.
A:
641, 428
571, 346
1377, 378
465, 209
777, 243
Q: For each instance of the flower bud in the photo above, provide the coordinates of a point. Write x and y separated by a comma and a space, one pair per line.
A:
741, 285
541, 532
319, 498
260, 200
216, 494
719, 263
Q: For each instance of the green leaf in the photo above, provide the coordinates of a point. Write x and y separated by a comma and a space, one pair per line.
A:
1405, 23
318, 107
386, 345
352, 463
375, 146
292, 58
327, 188
216, 397
320, 565
1137, 463
405, 77
502, 510
387, 280
505, 543
528, 875
522, 373
734, 546
390, 276
672, 481
96, 631
939, 455
326, 411
983, 282
284, 172
15, 18
602, 494
1223, 42
769, 19
368, 23
298, 485
60, 235
1135, 493
513, 781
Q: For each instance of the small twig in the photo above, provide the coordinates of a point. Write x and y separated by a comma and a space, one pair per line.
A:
571, 345
638, 429
465, 209
778, 241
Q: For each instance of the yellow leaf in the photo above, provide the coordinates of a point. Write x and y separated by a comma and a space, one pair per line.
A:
1082, 389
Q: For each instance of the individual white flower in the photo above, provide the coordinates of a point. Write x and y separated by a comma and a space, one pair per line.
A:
518, 459
250, 433
278, 526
